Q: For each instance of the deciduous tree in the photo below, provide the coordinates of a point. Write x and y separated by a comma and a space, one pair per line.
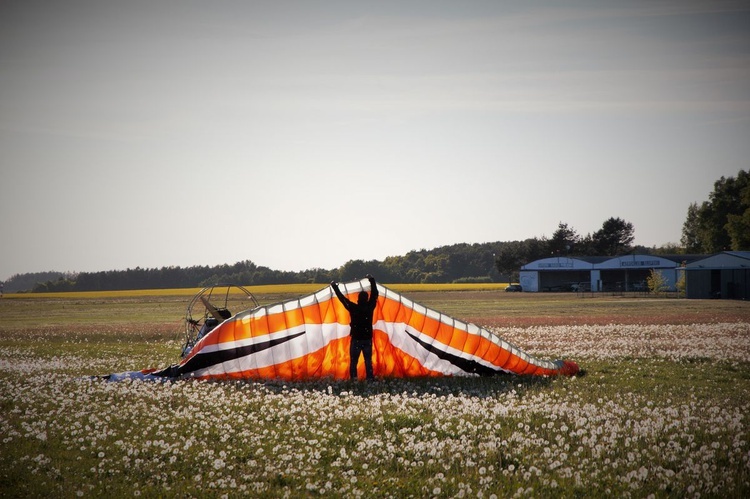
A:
656, 282
723, 222
512, 255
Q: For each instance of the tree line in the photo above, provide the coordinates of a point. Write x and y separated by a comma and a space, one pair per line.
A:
720, 223
457, 263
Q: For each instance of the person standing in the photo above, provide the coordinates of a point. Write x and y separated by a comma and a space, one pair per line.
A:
360, 322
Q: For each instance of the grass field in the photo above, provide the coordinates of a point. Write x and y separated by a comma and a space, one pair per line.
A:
663, 409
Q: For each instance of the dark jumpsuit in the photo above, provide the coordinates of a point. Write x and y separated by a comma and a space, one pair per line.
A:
361, 328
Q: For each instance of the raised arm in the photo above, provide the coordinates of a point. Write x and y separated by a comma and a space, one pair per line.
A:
347, 303
373, 289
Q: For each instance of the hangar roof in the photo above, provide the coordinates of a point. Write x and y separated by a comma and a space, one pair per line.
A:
564, 263
611, 262
638, 261
723, 260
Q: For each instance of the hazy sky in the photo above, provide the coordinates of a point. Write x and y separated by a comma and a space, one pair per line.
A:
306, 134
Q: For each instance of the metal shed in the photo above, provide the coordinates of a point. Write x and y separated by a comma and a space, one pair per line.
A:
724, 275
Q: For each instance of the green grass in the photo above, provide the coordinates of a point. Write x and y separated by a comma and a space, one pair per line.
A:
633, 425
482, 306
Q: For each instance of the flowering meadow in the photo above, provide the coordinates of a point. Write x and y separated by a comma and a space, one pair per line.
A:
662, 410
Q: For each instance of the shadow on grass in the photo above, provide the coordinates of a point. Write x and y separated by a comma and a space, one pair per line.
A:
481, 387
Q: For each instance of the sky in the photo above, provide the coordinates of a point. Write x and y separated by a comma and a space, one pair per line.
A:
304, 134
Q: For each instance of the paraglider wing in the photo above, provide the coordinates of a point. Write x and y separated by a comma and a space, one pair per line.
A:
308, 337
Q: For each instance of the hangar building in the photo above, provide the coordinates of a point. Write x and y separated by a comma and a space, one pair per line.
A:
582, 273
724, 275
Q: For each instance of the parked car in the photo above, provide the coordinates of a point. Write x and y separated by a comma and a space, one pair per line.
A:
514, 288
